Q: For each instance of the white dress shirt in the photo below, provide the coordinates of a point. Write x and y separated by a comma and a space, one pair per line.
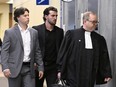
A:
88, 41
26, 43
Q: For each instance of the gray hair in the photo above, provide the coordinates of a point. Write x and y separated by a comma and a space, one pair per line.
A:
86, 15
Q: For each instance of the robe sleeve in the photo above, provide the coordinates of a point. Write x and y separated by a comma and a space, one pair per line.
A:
63, 53
104, 68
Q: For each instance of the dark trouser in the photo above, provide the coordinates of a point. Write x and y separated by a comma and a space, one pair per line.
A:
50, 77
24, 79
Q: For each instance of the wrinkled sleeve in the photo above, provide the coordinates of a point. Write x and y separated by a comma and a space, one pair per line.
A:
38, 55
5, 51
104, 69
63, 52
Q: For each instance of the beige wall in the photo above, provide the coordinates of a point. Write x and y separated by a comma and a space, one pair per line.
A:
36, 11
4, 18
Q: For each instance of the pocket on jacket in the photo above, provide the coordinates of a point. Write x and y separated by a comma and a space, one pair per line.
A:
11, 60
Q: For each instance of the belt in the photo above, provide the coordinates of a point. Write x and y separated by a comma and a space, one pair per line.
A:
26, 63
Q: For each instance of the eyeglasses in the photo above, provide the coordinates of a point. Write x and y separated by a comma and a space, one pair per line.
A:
93, 22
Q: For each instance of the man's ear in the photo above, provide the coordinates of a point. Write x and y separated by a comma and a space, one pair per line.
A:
46, 16
84, 21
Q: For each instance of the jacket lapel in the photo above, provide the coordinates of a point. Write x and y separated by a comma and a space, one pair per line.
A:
82, 38
57, 38
31, 37
43, 34
18, 35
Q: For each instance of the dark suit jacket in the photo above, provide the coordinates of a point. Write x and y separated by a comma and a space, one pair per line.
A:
12, 53
41, 36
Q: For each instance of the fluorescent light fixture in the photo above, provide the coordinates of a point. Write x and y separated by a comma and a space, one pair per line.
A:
67, 0
10, 2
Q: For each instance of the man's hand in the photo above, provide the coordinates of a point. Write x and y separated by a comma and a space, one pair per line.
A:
7, 73
59, 75
40, 74
107, 79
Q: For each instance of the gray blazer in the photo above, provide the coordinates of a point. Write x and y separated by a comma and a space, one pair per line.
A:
13, 52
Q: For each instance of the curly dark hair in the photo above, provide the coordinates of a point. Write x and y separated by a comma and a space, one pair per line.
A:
47, 10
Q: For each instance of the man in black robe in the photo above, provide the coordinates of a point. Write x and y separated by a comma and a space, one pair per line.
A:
83, 58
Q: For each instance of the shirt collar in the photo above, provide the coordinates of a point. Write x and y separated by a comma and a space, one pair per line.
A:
22, 29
